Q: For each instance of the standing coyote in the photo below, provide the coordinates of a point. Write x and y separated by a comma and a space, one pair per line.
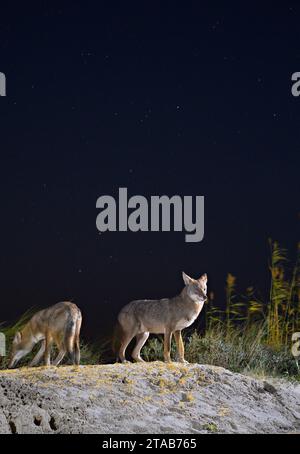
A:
59, 324
167, 316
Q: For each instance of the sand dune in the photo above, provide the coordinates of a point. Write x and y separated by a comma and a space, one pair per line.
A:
145, 398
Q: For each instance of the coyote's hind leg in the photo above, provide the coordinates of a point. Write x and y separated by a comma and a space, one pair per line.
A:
167, 346
140, 341
61, 352
127, 338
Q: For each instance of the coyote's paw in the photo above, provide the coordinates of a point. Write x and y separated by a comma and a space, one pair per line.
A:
182, 360
138, 360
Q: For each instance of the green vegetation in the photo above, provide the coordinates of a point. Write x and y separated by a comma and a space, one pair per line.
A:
250, 335
211, 427
242, 349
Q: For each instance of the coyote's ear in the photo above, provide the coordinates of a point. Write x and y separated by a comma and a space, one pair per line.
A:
187, 279
203, 277
18, 337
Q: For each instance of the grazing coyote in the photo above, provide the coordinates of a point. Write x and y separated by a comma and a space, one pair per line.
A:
59, 324
167, 316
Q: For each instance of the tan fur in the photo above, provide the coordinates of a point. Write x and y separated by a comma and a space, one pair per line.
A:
167, 316
59, 324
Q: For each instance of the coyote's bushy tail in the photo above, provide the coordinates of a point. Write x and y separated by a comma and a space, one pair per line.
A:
72, 331
69, 336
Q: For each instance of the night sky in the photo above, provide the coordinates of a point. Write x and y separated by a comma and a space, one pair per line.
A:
171, 99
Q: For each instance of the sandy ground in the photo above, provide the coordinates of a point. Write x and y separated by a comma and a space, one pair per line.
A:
152, 398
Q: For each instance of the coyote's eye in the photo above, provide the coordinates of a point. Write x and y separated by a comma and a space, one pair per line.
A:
202, 288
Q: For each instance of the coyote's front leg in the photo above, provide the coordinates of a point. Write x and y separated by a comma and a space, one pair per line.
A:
39, 355
180, 346
47, 354
167, 346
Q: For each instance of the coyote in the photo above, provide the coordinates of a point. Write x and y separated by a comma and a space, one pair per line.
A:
167, 316
59, 324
